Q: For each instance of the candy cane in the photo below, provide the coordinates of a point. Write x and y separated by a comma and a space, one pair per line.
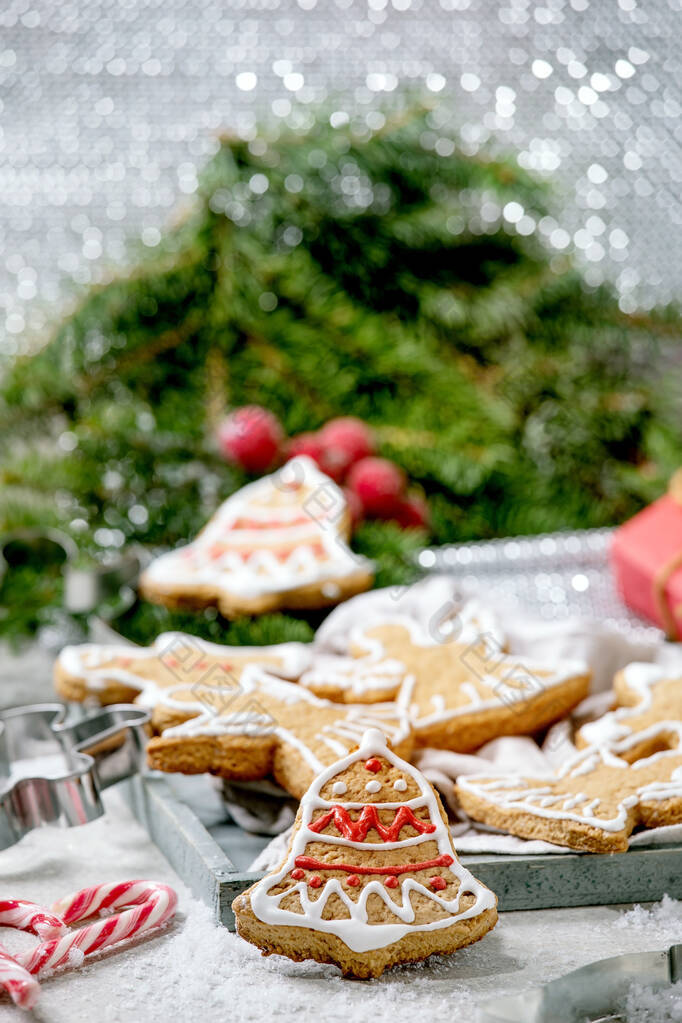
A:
25, 916
154, 904
151, 906
23, 989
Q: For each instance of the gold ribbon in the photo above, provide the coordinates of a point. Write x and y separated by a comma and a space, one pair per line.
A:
666, 611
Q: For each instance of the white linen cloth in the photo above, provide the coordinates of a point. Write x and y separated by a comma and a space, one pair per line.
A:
604, 649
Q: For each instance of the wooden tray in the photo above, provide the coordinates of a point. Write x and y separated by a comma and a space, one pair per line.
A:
185, 818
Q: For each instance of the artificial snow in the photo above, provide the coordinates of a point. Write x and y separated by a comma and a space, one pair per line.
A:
197, 971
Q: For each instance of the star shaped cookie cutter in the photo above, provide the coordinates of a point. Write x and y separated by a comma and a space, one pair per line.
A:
52, 773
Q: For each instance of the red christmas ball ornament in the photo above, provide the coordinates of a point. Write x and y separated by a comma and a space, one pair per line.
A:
355, 509
350, 436
379, 484
306, 444
412, 512
250, 437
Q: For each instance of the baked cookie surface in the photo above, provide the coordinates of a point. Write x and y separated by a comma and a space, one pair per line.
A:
646, 694
371, 877
281, 542
260, 727
467, 690
595, 801
118, 673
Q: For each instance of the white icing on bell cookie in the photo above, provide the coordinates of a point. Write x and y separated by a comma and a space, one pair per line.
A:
330, 856
282, 534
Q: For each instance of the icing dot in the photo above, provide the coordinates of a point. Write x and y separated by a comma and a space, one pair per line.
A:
339, 787
391, 882
315, 881
400, 784
373, 786
297, 874
353, 881
373, 765
438, 883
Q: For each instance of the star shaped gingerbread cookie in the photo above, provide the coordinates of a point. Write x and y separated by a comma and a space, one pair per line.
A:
595, 800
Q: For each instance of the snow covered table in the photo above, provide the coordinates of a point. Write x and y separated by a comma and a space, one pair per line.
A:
198, 971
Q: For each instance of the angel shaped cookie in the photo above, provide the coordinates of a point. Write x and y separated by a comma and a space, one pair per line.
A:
596, 799
280, 542
466, 689
371, 877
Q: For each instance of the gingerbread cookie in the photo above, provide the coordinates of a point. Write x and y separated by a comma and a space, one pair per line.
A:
596, 799
371, 877
280, 542
373, 679
116, 674
260, 726
646, 694
354, 680
468, 692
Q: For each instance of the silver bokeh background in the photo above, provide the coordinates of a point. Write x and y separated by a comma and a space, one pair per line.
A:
108, 110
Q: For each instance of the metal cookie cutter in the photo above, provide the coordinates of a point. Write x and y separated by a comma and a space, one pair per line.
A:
592, 994
52, 773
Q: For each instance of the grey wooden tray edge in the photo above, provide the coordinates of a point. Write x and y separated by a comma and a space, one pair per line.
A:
189, 848
520, 882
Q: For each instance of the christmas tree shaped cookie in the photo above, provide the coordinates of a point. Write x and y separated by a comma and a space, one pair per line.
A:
280, 542
371, 877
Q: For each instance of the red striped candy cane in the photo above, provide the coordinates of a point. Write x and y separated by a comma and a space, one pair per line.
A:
25, 916
152, 905
23, 989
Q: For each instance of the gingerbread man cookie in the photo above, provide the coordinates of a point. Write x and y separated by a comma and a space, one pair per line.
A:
117, 673
646, 693
596, 799
373, 679
467, 690
371, 877
280, 542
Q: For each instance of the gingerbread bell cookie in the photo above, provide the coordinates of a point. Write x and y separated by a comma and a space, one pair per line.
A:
597, 798
280, 542
371, 878
466, 690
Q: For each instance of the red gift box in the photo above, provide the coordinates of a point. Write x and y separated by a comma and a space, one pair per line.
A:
647, 561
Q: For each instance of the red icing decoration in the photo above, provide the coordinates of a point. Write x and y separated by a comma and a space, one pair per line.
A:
373, 765
353, 881
297, 874
438, 883
357, 830
391, 882
402, 868
315, 881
